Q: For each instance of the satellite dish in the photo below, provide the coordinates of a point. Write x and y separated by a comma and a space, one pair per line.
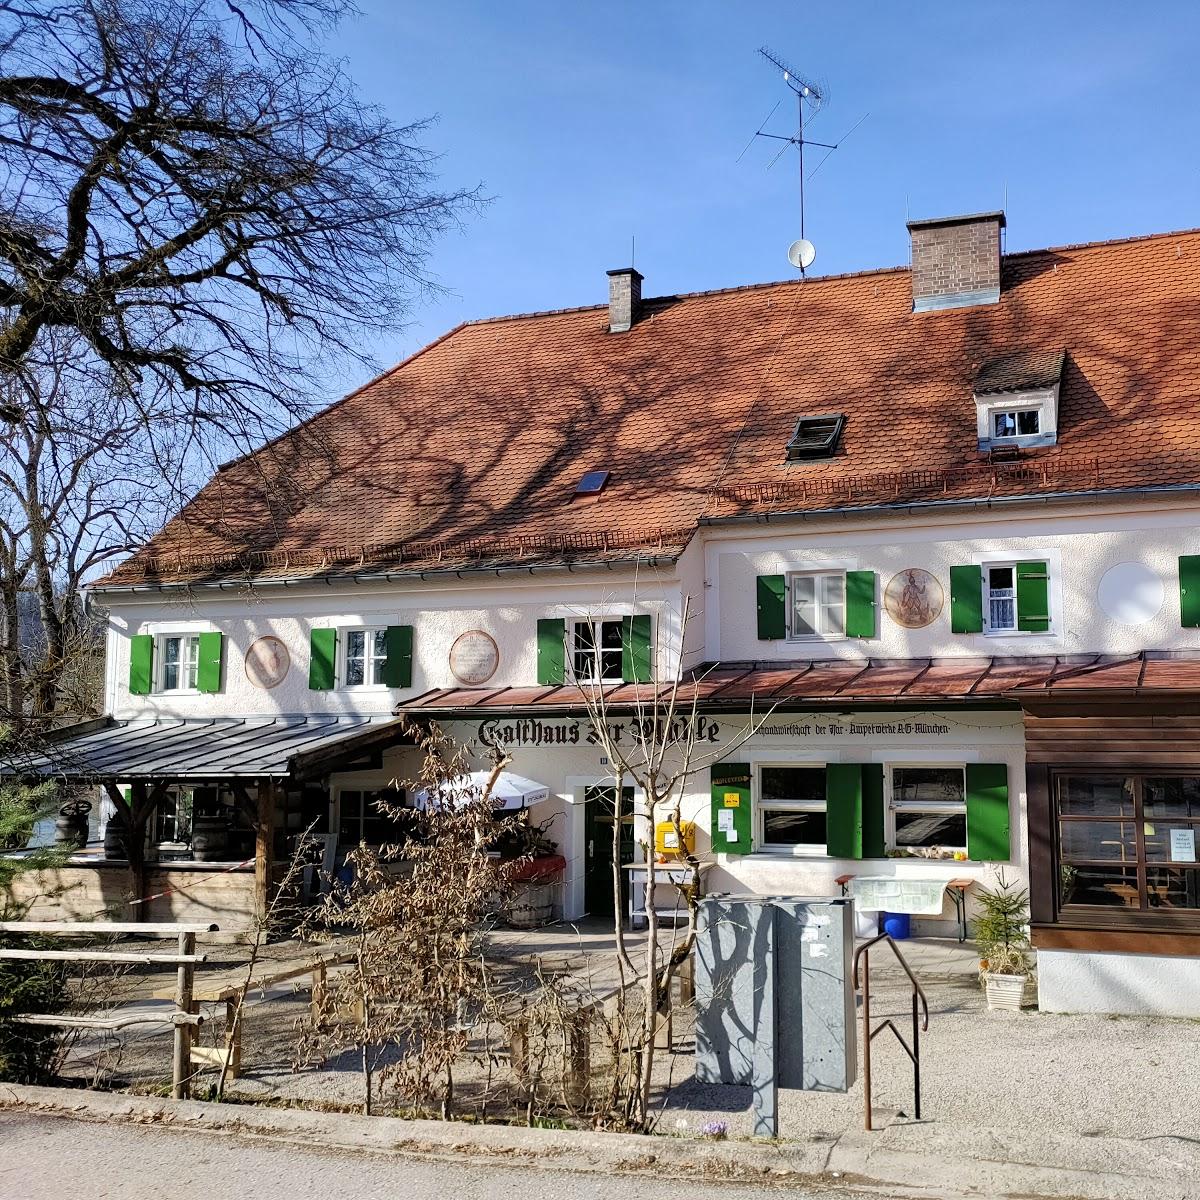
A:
801, 254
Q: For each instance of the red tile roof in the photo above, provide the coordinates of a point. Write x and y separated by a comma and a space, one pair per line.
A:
862, 683
468, 453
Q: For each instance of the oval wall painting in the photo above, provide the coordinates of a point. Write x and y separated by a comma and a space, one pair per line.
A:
1131, 593
474, 657
913, 598
267, 662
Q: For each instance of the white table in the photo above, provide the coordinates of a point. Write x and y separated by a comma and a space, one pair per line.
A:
671, 876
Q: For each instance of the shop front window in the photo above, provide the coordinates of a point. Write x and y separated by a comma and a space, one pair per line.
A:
792, 808
1129, 841
360, 818
929, 808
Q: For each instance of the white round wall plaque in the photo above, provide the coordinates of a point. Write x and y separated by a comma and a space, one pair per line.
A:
474, 657
1131, 593
267, 662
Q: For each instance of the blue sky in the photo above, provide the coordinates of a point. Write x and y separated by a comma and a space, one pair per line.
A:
591, 123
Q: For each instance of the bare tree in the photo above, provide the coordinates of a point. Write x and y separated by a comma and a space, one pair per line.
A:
199, 220
660, 748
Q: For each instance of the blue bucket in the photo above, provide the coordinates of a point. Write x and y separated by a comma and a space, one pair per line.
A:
897, 925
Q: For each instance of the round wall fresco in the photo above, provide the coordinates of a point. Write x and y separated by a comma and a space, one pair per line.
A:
913, 598
267, 662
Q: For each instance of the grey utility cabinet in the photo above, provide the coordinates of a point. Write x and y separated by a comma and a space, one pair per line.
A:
775, 997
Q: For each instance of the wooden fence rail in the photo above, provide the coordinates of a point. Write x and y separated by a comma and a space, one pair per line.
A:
183, 1020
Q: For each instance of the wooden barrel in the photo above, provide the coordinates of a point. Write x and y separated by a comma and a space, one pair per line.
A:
210, 839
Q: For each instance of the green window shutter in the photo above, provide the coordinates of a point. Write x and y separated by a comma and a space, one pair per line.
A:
551, 650
874, 833
141, 664
860, 604
843, 810
636, 665
397, 670
322, 658
987, 812
1189, 591
1033, 597
730, 784
772, 608
966, 599
208, 668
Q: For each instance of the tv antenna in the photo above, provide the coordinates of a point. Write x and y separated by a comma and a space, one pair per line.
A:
810, 97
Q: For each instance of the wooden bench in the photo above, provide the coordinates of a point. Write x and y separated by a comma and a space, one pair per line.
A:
229, 988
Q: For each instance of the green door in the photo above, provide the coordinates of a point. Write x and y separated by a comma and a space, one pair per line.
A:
600, 842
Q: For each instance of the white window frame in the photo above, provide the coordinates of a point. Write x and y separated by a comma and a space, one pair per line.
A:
1039, 556
595, 674
817, 573
761, 807
175, 794
343, 655
1043, 401
893, 805
188, 636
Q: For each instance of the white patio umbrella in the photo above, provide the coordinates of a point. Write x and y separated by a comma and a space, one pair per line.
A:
510, 792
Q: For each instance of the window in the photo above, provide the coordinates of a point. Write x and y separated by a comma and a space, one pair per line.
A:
792, 808
173, 816
929, 808
1016, 423
179, 660
361, 820
1002, 599
1016, 597
818, 604
365, 657
596, 652
592, 483
815, 437
1129, 842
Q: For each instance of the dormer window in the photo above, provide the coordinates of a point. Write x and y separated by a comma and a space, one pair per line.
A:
815, 437
1016, 400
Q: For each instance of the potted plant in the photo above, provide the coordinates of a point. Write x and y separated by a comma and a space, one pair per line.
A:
1001, 934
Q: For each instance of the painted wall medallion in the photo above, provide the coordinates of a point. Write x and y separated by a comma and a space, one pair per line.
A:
913, 598
474, 657
267, 662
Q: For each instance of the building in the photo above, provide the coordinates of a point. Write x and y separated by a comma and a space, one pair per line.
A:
942, 521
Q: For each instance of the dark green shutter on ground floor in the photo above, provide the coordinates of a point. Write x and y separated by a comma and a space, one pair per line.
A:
966, 599
551, 650
772, 608
730, 784
141, 664
854, 810
988, 838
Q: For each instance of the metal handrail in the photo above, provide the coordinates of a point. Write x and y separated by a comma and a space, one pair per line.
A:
913, 1051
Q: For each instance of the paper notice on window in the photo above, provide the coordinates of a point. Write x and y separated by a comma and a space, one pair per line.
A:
725, 821
731, 835
1183, 845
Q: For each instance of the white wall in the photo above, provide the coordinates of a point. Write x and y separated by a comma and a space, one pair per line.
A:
1078, 981
1080, 544
437, 612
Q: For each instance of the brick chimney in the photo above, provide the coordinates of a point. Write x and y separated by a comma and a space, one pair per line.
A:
956, 261
624, 298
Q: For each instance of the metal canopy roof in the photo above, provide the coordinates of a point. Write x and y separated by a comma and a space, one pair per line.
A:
167, 748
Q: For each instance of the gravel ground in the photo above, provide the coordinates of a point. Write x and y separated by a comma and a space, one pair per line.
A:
1083, 1075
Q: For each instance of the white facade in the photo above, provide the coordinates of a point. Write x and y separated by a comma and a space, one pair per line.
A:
1113, 588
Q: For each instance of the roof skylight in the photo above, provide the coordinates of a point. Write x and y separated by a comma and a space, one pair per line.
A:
592, 484
815, 437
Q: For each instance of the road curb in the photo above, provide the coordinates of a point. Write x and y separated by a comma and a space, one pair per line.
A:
923, 1159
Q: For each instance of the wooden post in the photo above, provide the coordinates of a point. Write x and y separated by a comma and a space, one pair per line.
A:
233, 1035
182, 1064
320, 992
135, 849
264, 829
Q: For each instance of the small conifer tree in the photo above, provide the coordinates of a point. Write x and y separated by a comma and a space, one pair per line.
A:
1002, 928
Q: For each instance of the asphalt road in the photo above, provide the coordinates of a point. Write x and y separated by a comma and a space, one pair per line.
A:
56, 1158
